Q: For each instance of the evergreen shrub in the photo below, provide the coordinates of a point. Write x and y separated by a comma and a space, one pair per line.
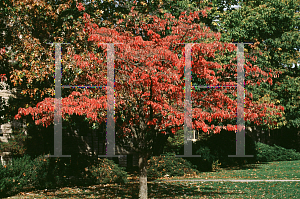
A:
214, 150
23, 173
106, 171
169, 164
267, 153
27, 173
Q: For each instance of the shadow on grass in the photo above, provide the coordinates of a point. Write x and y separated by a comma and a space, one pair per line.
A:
130, 190
245, 167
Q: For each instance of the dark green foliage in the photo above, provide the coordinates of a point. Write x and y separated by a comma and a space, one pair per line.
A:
288, 138
175, 142
204, 163
106, 171
159, 166
217, 147
58, 171
272, 24
28, 173
266, 153
23, 173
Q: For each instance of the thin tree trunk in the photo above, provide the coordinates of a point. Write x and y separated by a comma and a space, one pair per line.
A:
143, 193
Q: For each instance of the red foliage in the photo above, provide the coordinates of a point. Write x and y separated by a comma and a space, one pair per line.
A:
149, 83
80, 7
3, 77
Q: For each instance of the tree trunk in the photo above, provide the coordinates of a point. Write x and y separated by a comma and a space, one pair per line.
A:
143, 194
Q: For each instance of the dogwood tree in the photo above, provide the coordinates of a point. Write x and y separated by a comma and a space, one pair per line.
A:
150, 83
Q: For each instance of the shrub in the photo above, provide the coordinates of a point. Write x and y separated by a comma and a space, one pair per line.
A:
59, 170
217, 147
216, 165
168, 164
175, 143
27, 173
106, 171
38, 176
267, 153
23, 173
207, 159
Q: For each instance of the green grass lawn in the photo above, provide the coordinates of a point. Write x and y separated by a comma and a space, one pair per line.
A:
280, 170
198, 189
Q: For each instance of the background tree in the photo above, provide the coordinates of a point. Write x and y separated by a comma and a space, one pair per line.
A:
28, 61
273, 25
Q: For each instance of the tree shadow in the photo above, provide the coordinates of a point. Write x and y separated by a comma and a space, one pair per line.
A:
245, 167
155, 190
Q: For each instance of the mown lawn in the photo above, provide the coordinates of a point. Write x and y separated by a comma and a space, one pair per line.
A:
193, 189
279, 170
